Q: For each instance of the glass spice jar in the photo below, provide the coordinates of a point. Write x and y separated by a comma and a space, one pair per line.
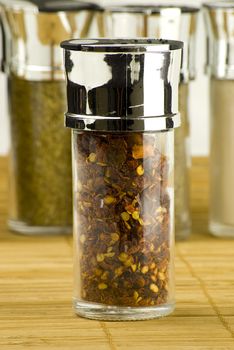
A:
40, 169
123, 108
175, 22
219, 19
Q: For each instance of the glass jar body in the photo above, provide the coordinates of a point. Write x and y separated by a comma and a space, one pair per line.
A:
40, 170
222, 158
182, 168
123, 224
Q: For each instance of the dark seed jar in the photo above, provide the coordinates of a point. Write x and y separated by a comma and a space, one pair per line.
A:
40, 171
123, 108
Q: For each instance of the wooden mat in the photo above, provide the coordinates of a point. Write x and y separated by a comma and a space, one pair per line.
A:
36, 290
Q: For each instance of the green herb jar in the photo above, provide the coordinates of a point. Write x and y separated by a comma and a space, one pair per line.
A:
40, 169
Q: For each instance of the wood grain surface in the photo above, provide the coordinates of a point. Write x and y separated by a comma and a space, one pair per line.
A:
36, 290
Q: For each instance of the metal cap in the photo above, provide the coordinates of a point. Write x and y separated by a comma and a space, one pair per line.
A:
35, 29
122, 84
219, 20
165, 20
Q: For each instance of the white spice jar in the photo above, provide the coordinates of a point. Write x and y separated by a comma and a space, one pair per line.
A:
219, 19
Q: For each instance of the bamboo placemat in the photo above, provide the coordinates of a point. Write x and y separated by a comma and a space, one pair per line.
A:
36, 289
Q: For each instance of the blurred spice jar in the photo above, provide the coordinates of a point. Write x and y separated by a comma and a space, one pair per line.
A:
123, 108
40, 171
219, 20
176, 22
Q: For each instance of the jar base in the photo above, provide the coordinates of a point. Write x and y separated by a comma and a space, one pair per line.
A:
117, 313
221, 230
22, 228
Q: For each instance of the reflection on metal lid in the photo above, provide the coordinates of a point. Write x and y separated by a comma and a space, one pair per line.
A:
149, 8
122, 45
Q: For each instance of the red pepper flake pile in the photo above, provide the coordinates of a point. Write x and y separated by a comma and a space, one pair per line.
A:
122, 206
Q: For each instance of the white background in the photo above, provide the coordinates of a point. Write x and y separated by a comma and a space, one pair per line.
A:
198, 104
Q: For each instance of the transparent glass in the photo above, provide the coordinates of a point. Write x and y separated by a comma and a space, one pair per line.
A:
123, 224
222, 158
182, 169
40, 169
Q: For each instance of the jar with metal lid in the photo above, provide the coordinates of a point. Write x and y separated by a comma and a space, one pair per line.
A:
175, 22
123, 108
219, 20
40, 171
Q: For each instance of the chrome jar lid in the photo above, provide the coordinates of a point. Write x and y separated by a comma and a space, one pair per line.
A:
122, 84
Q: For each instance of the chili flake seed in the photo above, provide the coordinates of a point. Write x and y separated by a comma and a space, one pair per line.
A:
154, 288
107, 180
102, 286
119, 271
141, 222
139, 299
127, 225
140, 170
154, 279
101, 164
161, 276
125, 216
100, 257
109, 200
104, 276
123, 257
115, 237
144, 269
128, 262
92, 157
122, 194
135, 215
135, 295
110, 255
